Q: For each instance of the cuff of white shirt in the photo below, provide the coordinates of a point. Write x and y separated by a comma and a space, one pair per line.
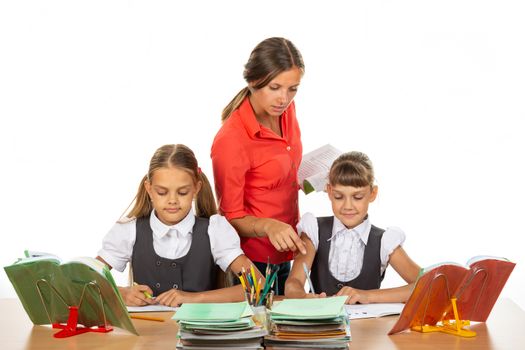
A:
226, 261
114, 263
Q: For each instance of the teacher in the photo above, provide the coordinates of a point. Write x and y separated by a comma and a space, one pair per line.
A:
256, 154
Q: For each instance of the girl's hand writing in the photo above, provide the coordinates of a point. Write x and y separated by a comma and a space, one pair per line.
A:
135, 295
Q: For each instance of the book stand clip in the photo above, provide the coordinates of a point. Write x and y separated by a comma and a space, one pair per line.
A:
455, 326
72, 327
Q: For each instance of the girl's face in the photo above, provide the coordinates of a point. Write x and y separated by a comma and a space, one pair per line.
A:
350, 204
171, 191
273, 99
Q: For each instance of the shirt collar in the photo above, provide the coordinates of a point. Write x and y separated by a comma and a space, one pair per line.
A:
160, 229
362, 230
249, 120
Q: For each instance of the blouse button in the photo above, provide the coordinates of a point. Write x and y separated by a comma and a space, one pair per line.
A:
157, 285
288, 148
173, 264
158, 263
175, 286
339, 285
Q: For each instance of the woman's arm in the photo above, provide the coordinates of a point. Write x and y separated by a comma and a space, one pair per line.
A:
282, 236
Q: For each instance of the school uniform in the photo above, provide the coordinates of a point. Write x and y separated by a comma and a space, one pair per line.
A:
183, 256
355, 257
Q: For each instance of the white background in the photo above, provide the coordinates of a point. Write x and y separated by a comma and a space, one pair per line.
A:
432, 91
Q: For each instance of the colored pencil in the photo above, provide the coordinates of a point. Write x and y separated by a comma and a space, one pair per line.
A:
147, 318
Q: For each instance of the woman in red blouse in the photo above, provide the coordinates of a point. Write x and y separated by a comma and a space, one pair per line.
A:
256, 154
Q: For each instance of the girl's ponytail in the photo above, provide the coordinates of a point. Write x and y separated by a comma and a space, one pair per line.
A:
205, 205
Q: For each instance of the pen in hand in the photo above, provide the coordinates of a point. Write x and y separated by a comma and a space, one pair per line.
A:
308, 278
146, 294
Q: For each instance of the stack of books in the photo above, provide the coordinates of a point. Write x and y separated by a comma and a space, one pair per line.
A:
218, 326
309, 324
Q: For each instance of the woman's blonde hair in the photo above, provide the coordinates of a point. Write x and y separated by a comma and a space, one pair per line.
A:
352, 169
268, 59
181, 157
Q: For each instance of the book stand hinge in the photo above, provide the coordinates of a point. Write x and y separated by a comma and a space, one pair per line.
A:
72, 328
454, 327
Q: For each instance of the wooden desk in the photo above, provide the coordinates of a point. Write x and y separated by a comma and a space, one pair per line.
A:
503, 330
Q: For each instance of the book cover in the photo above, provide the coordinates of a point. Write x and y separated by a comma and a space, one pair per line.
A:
46, 288
476, 288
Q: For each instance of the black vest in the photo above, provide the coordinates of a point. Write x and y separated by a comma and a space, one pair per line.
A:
370, 276
194, 272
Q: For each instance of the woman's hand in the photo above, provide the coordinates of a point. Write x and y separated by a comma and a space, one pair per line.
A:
135, 295
355, 295
282, 236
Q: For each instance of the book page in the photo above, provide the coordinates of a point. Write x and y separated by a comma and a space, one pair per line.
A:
34, 258
317, 163
358, 311
484, 257
93, 263
151, 308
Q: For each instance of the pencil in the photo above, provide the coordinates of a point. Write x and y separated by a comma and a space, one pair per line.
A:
258, 292
242, 281
146, 294
253, 276
245, 275
147, 318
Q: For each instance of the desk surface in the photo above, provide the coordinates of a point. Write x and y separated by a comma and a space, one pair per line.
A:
503, 330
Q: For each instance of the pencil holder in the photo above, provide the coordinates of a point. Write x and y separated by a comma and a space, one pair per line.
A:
260, 315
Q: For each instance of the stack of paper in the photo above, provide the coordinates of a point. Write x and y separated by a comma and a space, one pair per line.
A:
218, 326
310, 324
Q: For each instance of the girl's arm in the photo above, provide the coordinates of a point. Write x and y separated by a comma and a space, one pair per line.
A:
294, 286
404, 266
176, 297
282, 236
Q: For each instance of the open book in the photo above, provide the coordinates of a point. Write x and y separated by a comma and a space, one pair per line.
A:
475, 289
357, 311
314, 168
47, 287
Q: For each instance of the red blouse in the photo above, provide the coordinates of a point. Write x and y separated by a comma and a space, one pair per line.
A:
255, 173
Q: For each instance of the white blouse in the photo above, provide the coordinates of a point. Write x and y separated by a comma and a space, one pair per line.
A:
171, 242
347, 248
